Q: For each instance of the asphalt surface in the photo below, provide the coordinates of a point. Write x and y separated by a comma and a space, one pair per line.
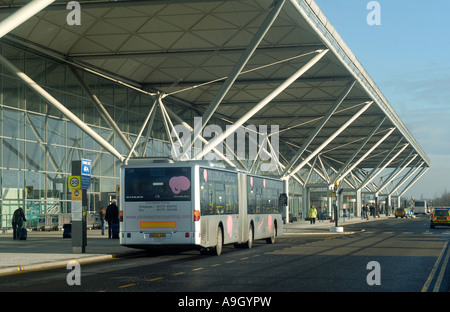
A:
48, 249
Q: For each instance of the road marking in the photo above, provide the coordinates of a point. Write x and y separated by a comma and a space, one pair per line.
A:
155, 279
179, 273
125, 286
197, 269
215, 265
433, 271
441, 273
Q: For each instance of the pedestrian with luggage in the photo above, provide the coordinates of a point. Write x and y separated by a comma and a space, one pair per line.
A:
102, 216
18, 220
112, 217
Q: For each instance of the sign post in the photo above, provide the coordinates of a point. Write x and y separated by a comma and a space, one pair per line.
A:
79, 182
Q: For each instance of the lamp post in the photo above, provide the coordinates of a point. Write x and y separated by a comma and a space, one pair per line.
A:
337, 192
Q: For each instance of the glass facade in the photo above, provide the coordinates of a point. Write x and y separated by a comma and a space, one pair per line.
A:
38, 144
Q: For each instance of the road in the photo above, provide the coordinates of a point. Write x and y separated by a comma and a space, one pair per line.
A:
393, 255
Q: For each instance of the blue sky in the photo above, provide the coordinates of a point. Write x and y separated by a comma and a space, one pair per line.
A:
408, 57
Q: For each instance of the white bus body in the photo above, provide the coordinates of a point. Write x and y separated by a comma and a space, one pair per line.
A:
197, 205
420, 207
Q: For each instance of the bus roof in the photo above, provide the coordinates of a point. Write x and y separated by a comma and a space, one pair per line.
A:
154, 161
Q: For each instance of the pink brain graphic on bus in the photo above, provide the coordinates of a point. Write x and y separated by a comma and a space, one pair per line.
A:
178, 184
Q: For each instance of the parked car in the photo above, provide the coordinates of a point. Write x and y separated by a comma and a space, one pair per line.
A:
403, 213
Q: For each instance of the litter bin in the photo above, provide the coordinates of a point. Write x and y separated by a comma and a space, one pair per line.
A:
67, 233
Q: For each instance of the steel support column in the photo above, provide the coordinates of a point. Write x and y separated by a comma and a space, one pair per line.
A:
236, 71
142, 130
103, 112
413, 181
22, 15
331, 138
185, 124
396, 172
66, 112
319, 127
365, 155
361, 146
213, 143
373, 174
407, 176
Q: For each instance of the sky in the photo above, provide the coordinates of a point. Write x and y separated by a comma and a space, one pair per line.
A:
408, 58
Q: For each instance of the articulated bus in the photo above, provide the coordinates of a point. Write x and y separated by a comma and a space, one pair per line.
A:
196, 204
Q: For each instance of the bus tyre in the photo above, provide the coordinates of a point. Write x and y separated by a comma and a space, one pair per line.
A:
219, 245
249, 243
271, 239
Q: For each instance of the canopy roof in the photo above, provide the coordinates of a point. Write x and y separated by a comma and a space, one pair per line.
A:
184, 50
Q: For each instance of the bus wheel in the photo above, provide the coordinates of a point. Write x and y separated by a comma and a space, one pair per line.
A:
249, 243
271, 239
219, 245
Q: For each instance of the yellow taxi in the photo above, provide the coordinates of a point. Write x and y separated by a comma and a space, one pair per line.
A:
440, 216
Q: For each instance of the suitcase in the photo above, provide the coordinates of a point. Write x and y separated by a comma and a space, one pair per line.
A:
115, 230
67, 230
23, 234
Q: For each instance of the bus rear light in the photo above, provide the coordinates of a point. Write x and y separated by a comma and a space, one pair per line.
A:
196, 215
121, 216
186, 235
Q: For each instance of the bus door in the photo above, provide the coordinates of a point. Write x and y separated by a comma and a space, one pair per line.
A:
243, 213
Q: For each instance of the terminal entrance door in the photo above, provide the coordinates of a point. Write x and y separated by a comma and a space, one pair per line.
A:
94, 202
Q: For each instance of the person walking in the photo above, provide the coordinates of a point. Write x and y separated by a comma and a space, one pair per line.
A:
17, 222
372, 211
102, 216
366, 211
312, 214
112, 216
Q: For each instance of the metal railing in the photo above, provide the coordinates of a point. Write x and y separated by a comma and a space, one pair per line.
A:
48, 222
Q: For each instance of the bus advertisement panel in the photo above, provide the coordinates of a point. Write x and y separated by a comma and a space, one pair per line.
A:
158, 203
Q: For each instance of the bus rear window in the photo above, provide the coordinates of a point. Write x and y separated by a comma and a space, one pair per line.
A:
157, 184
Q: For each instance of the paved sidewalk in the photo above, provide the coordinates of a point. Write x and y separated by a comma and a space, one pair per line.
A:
44, 250
325, 226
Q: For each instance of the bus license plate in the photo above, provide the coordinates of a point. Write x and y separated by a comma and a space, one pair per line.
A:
157, 235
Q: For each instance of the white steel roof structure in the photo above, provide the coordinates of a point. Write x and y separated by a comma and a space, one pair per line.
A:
252, 62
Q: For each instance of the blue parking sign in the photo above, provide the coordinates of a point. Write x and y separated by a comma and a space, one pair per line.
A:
86, 167
85, 173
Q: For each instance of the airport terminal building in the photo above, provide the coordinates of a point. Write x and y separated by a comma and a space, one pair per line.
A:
129, 76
